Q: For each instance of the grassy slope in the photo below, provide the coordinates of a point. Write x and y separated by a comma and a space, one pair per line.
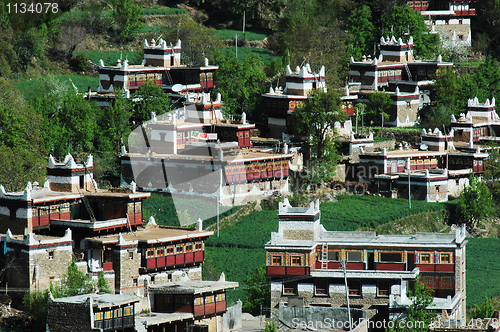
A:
482, 270
28, 87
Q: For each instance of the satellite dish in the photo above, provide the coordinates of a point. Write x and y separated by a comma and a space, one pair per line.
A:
177, 88
423, 147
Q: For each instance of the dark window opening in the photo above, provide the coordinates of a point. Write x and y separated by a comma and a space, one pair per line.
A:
395, 257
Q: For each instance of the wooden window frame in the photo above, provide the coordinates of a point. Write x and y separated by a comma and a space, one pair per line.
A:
322, 289
276, 263
290, 288
296, 260
354, 252
380, 253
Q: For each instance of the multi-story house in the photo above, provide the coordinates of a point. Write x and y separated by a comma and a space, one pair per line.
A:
311, 265
451, 19
396, 71
161, 66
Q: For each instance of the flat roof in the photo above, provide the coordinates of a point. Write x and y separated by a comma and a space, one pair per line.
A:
370, 239
243, 155
157, 318
193, 286
100, 300
153, 234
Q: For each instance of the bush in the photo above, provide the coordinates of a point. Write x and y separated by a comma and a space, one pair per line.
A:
80, 62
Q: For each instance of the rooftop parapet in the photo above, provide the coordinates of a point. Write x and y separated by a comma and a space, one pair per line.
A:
285, 209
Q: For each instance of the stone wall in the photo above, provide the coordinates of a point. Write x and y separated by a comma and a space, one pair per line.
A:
68, 316
318, 318
336, 298
127, 270
43, 270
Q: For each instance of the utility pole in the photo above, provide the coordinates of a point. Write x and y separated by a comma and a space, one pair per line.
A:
409, 189
346, 293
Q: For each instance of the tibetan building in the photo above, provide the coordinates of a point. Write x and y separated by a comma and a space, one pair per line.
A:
70, 199
162, 66
306, 264
395, 71
437, 169
280, 103
480, 124
451, 19
199, 153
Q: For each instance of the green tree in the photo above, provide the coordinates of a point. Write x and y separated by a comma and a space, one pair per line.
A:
487, 78
488, 27
416, 313
475, 203
75, 282
316, 120
492, 173
78, 118
403, 20
198, 41
259, 291
362, 34
102, 284
127, 16
114, 124
379, 104
240, 84
21, 146
150, 98
313, 31
447, 88
35, 307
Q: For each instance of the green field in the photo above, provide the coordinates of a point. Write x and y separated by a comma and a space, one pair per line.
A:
483, 270
110, 57
29, 87
265, 54
249, 35
353, 212
167, 211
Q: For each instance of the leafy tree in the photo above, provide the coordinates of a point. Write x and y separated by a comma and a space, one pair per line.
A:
240, 84
378, 105
417, 312
487, 78
270, 327
198, 42
102, 284
259, 291
114, 124
316, 120
127, 15
403, 20
21, 148
447, 88
78, 120
488, 27
35, 306
475, 203
313, 31
492, 173
151, 98
361, 36
75, 282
